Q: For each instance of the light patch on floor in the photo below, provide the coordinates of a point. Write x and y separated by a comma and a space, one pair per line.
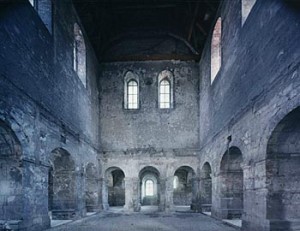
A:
207, 213
234, 222
90, 214
149, 209
55, 223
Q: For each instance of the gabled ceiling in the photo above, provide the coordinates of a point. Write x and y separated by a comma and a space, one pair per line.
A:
108, 22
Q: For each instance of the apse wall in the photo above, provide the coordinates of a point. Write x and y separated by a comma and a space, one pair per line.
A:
149, 127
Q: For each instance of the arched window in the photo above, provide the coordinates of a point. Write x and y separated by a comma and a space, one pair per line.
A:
216, 56
247, 6
79, 54
164, 94
149, 188
132, 94
165, 90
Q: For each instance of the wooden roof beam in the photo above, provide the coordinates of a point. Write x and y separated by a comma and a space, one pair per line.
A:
193, 22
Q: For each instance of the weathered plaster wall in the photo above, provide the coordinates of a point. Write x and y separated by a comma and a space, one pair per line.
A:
44, 102
164, 162
258, 84
149, 128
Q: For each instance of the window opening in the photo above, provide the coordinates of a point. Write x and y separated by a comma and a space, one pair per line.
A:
132, 94
149, 188
165, 91
216, 56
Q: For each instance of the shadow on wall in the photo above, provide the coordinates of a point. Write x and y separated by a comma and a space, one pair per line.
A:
11, 175
232, 184
182, 186
62, 186
283, 171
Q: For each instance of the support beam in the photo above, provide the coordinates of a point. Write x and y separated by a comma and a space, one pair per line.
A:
193, 22
201, 28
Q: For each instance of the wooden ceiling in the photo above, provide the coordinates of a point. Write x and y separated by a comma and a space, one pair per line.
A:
107, 20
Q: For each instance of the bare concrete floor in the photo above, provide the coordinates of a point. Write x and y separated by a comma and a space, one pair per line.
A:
120, 221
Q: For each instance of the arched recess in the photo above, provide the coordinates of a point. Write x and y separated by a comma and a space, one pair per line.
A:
149, 195
183, 186
114, 188
283, 170
232, 184
92, 187
62, 185
206, 188
11, 175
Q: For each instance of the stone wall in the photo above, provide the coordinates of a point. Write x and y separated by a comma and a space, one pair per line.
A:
257, 85
149, 128
45, 104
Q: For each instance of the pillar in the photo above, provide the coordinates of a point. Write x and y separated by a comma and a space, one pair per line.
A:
80, 194
166, 194
196, 202
132, 198
105, 205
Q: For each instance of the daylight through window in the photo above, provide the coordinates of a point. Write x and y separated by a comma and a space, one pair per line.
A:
132, 94
149, 188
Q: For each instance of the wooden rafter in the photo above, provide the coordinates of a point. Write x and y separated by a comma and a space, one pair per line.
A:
193, 22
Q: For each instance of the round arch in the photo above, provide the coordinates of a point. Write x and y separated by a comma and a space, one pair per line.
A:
232, 180
113, 192
11, 174
206, 187
282, 171
184, 188
149, 195
62, 185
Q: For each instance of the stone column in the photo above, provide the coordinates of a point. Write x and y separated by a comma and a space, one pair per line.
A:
100, 198
169, 206
80, 195
162, 194
105, 204
132, 198
166, 194
196, 202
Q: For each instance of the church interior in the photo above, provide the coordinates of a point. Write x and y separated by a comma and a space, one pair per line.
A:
148, 115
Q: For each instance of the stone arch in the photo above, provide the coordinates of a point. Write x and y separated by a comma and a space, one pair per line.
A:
114, 187
183, 193
282, 171
62, 185
92, 186
11, 175
206, 187
149, 173
231, 184
19, 132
